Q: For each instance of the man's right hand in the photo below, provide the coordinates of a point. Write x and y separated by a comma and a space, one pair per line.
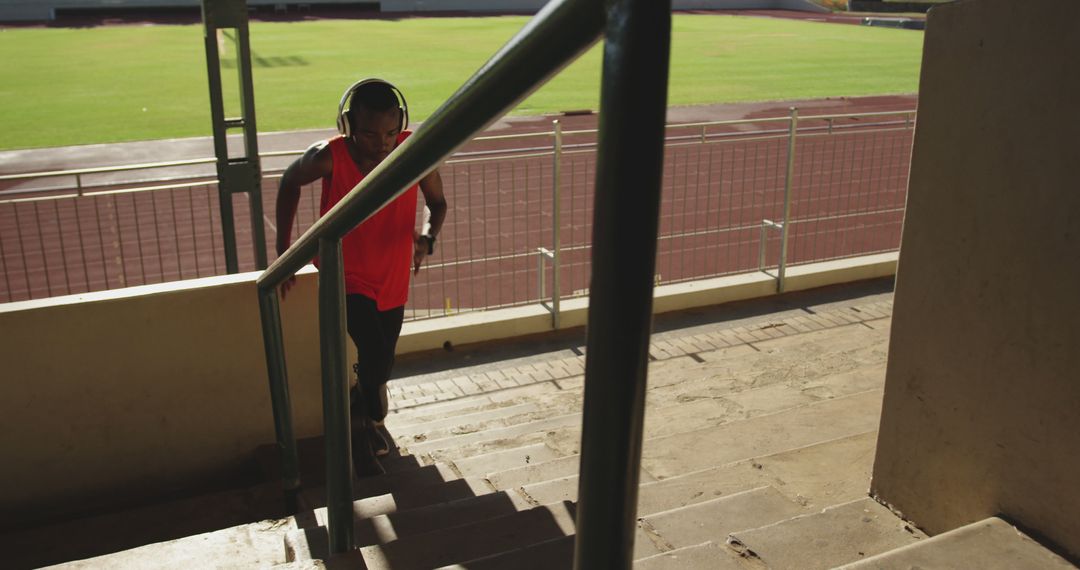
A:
286, 285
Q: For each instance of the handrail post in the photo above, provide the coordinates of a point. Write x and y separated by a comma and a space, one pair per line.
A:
270, 312
540, 276
241, 174
788, 181
335, 389
556, 209
629, 169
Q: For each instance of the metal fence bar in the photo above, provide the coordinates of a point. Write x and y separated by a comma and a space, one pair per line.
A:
788, 181
556, 224
633, 100
844, 171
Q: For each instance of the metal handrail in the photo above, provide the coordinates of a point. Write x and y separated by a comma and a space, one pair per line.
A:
558, 34
106, 169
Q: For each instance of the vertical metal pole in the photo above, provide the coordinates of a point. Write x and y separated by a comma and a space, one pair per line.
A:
270, 311
540, 276
240, 174
335, 389
217, 116
556, 226
761, 247
251, 147
228, 230
633, 101
788, 181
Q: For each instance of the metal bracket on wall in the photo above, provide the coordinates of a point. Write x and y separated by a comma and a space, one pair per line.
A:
225, 23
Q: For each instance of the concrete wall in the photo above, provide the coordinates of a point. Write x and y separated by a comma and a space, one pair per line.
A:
982, 397
129, 393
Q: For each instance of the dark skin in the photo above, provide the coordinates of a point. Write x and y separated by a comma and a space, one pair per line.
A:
373, 136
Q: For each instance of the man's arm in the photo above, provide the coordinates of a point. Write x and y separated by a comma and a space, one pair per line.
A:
315, 163
435, 201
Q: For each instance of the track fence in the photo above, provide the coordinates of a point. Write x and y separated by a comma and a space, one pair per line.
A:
836, 184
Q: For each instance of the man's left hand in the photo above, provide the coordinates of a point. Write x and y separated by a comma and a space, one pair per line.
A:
420, 247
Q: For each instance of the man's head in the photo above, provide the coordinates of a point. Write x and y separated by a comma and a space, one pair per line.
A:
375, 119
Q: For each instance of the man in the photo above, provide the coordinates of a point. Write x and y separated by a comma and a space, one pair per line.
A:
372, 118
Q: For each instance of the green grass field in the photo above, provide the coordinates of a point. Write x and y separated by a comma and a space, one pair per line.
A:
78, 86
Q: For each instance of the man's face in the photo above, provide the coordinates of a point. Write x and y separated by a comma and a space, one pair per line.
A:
375, 133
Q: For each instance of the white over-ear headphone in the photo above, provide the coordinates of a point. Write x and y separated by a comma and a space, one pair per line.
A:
344, 125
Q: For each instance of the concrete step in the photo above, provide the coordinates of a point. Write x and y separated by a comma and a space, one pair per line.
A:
494, 439
743, 365
560, 467
530, 410
990, 544
665, 457
760, 435
562, 433
434, 429
400, 496
705, 556
507, 459
398, 418
814, 476
780, 379
713, 520
400, 483
311, 453
253, 545
833, 537
381, 529
101, 535
545, 555
711, 381
465, 542
660, 533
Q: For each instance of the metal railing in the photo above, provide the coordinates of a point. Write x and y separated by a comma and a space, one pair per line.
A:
92, 238
560, 32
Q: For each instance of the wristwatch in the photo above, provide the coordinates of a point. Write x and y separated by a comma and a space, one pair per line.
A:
430, 243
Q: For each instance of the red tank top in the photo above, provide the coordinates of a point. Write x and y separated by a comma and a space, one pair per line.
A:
378, 253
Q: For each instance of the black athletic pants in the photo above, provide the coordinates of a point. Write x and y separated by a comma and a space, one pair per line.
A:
375, 334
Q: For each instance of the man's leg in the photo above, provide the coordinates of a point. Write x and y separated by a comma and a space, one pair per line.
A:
375, 334
362, 320
379, 402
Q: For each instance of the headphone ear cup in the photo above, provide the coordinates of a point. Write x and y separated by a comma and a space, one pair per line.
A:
401, 119
345, 124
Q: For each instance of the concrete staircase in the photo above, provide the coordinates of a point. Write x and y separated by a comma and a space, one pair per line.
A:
759, 442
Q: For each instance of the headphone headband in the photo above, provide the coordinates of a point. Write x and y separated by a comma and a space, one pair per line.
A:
343, 123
